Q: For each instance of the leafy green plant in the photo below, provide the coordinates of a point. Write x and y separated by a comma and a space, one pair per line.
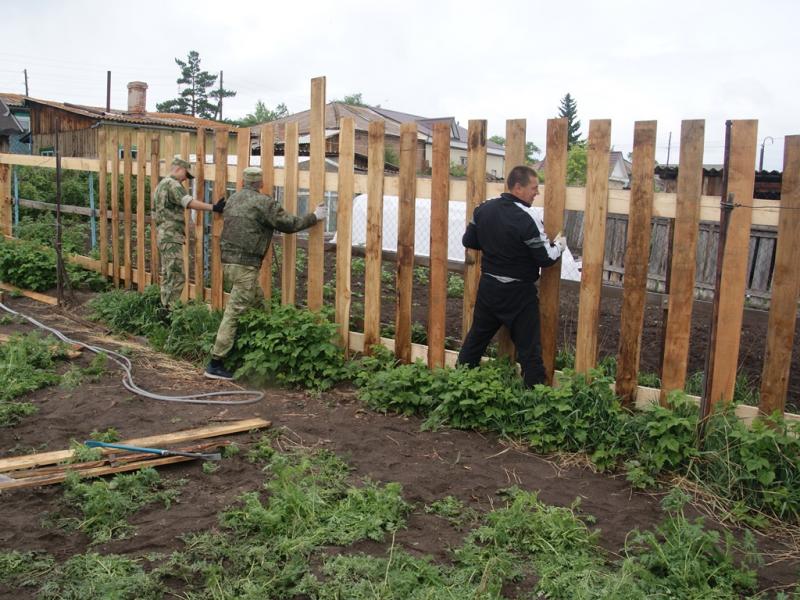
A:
128, 312
93, 575
454, 510
290, 346
190, 334
104, 506
358, 266
210, 467
387, 277
42, 231
421, 275
24, 569
28, 266
455, 286
77, 376
27, 363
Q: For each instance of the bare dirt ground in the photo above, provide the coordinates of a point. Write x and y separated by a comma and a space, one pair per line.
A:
429, 465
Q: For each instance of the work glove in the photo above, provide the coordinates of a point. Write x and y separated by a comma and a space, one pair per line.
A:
219, 206
561, 243
321, 212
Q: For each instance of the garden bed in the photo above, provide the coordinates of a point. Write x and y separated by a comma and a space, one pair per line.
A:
469, 466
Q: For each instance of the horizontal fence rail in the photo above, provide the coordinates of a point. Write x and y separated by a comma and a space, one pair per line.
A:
128, 252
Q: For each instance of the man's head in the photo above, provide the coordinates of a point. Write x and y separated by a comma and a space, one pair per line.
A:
523, 183
181, 169
252, 178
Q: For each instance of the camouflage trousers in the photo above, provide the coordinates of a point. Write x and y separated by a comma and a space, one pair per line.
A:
172, 277
245, 294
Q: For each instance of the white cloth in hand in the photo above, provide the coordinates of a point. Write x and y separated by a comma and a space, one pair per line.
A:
321, 212
561, 243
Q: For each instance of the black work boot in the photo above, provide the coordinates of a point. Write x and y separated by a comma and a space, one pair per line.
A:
215, 370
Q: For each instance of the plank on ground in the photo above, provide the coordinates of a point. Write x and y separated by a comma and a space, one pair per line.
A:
405, 240
374, 243
178, 437
344, 230
555, 197
594, 235
684, 262
785, 286
637, 259
440, 201
476, 194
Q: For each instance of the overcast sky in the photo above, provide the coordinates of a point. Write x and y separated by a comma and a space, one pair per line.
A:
623, 60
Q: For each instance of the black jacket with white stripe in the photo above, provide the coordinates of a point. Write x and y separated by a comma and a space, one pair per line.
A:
512, 243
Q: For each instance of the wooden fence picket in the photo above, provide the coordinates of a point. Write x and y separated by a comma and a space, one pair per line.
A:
316, 194
405, 240
344, 230
289, 276
374, 248
437, 285
268, 188
476, 194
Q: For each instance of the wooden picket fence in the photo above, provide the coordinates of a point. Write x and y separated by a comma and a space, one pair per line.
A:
688, 207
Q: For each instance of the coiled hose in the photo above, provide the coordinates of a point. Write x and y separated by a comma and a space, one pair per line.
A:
127, 379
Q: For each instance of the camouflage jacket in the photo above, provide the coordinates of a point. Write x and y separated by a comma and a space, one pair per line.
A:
170, 200
250, 219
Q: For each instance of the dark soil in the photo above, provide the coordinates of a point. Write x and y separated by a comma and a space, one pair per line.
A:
468, 465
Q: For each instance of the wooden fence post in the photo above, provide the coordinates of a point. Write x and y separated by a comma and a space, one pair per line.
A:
155, 176
127, 205
785, 286
741, 179
220, 191
102, 184
405, 240
684, 261
374, 247
476, 194
316, 194
515, 156
187, 220
555, 197
267, 188
115, 258
200, 217
637, 260
440, 203
594, 241
242, 155
141, 178
344, 230
289, 278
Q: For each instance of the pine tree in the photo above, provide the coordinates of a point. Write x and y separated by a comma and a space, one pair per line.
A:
569, 110
194, 97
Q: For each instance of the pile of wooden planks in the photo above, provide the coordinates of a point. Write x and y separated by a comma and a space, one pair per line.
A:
47, 468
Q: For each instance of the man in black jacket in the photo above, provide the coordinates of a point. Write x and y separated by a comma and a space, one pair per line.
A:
514, 247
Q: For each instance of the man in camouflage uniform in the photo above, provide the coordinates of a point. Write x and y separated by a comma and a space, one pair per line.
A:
250, 220
171, 198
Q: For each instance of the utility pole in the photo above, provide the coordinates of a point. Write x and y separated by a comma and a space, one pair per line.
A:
26, 81
108, 91
669, 146
220, 95
761, 160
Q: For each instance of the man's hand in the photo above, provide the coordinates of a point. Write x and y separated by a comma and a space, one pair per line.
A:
219, 206
561, 243
321, 212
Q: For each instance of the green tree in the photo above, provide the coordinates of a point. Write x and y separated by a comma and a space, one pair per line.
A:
353, 99
391, 157
569, 110
195, 90
576, 165
531, 149
262, 114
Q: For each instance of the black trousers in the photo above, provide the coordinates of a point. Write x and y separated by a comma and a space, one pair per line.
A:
515, 305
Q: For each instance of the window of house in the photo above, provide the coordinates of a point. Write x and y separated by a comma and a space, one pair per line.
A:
494, 172
47, 151
463, 161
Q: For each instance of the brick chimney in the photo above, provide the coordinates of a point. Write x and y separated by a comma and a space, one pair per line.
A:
137, 97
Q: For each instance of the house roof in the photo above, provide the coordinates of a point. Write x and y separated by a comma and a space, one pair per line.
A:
9, 125
170, 120
363, 115
12, 100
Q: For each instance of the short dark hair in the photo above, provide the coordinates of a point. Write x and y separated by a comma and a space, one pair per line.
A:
521, 175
